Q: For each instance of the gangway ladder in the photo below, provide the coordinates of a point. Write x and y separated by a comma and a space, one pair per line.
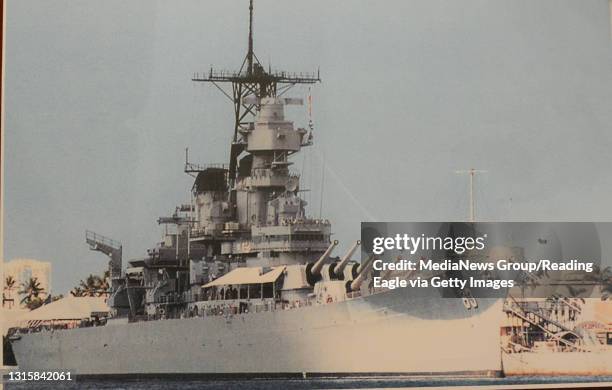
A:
110, 248
538, 319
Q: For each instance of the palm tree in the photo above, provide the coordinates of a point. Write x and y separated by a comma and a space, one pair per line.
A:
35, 303
575, 292
77, 292
603, 277
31, 291
524, 280
104, 285
92, 286
9, 285
57, 297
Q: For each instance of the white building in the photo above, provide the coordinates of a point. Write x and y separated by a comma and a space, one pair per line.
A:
21, 270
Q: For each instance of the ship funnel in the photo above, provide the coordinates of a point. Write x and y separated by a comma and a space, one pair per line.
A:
313, 270
363, 274
338, 269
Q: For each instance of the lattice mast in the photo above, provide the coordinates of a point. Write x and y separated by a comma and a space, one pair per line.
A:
251, 83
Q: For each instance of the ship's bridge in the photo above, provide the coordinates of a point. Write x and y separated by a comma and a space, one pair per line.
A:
268, 178
307, 235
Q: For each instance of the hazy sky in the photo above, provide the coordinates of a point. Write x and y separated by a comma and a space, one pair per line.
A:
100, 106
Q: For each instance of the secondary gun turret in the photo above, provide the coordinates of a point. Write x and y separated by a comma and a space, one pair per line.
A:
313, 270
336, 270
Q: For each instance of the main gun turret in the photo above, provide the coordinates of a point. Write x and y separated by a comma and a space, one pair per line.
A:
313, 270
364, 270
336, 270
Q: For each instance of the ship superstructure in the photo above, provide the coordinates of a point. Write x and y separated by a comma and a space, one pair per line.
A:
247, 213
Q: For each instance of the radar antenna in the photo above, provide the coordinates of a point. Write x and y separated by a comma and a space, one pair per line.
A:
251, 83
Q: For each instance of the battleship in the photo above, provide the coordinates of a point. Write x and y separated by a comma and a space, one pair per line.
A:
245, 282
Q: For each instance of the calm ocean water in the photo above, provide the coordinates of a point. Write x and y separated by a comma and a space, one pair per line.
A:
315, 383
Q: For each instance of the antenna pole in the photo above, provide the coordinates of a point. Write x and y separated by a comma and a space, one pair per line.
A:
472, 195
250, 53
322, 184
310, 124
471, 172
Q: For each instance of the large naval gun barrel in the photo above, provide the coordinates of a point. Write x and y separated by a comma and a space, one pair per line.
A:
336, 270
365, 264
313, 270
364, 270
388, 272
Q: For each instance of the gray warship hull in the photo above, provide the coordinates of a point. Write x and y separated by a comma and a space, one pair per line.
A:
388, 332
